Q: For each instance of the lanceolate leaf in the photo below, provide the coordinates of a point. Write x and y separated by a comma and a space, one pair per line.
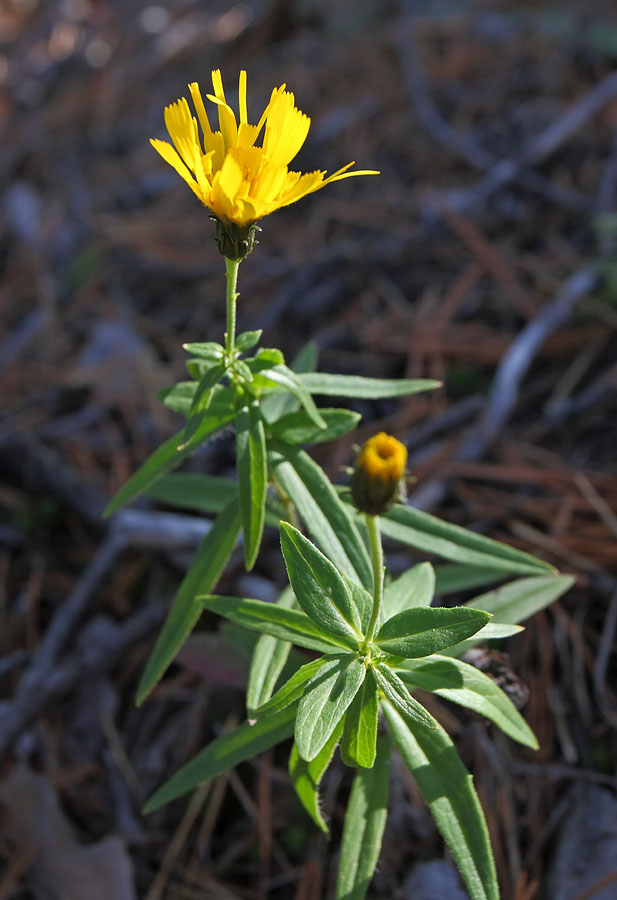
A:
395, 691
320, 590
364, 825
201, 401
188, 490
494, 631
522, 598
330, 385
326, 518
415, 587
268, 660
453, 577
275, 405
428, 533
464, 684
211, 558
298, 428
306, 776
421, 631
359, 742
252, 478
225, 753
292, 690
448, 790
290, 381
287, 624
166, 457
324, 702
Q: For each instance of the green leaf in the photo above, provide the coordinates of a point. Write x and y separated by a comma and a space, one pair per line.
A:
209, 350
205, 493
520, 599
325, 517
252, 478
288, 624
166, 457
287, 379
324, 702
358, 746
306, 776
298, 428
265, 358
448, 790
415, 587
365, 821
200, 403
468, 686
356, 386
210, 559
247, 340
273, 406
395, 691
224, 753
494, 631
292, 690
320, 590
430, 534
453, 577
362, 600
268, 660
179, 397
421, 631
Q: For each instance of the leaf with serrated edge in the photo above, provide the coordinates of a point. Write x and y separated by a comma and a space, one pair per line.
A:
468, 686
287, 624
210, 559
365, 821
321, 592
306, 776
325, 699
360, 732
421, 631
415, 587
224, 753
448, 790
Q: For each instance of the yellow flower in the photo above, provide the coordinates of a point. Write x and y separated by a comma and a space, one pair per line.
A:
377, 477
234, 177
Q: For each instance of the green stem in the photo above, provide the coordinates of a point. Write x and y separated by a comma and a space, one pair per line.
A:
372, 524
232, 280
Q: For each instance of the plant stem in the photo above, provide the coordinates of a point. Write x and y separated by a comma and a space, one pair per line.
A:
232, 279
372, 524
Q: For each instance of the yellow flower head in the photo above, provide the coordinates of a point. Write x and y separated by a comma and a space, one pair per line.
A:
231, 174
377, 477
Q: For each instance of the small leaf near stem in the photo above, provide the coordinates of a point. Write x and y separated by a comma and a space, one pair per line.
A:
231, 266
372, 524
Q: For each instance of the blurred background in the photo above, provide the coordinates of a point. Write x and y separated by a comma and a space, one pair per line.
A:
483, 255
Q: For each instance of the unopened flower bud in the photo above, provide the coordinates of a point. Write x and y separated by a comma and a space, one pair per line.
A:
377, 482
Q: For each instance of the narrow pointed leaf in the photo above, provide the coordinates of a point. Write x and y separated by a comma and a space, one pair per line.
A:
201, 401
287, 379
396, 692
210, 559
208, 350
298, 428
453, 577
359, 742
224, 753
415, 587
166, 457
494, 631
330, 385
324, 702
306, 776
321, 592
362, 600
365, 821
292, 690
421, 631
275, 405
430, 534
205, 493
287, 624
268, 660
327, 520
252, 478
448, 790
520, 599
247, 340
468, 686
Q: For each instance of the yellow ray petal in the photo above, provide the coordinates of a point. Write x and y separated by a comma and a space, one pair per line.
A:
171, 156
201, 109
242, 97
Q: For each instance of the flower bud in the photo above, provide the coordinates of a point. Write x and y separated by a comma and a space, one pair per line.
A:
235, 242
376, 482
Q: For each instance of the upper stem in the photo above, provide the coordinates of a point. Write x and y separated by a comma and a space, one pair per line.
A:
372, 524
232, 280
